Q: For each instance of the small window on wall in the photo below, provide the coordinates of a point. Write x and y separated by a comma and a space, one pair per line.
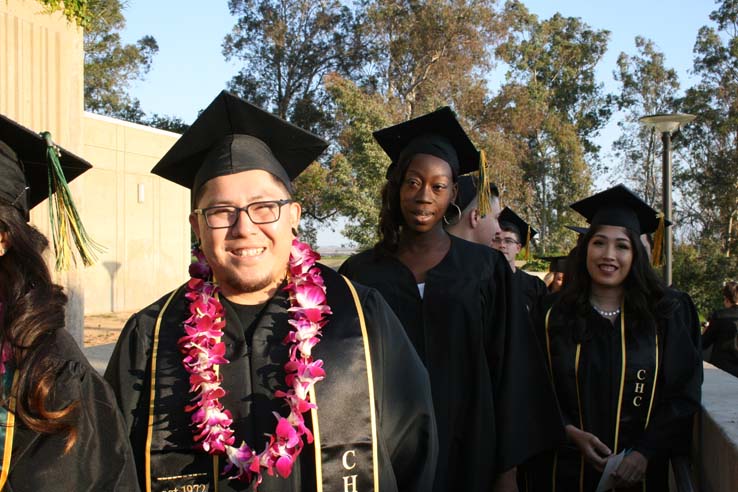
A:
141, 193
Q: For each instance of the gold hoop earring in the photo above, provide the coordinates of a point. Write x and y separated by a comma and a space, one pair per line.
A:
458, 210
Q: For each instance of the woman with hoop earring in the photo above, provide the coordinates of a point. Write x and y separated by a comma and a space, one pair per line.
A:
493, 402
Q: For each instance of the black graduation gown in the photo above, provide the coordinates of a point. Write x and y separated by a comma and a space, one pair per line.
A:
586, 357
493, 400
407, 444
722, 336
532, 289
101, 459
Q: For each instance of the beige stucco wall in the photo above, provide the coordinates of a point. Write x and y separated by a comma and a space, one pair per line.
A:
147, 241
41, 70
140, 218
41, 87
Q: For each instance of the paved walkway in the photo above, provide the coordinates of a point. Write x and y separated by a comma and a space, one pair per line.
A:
99, 355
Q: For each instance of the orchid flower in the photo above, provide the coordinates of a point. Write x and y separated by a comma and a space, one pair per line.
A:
203, 352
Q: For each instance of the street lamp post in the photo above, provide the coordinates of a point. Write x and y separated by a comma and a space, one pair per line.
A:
666, 124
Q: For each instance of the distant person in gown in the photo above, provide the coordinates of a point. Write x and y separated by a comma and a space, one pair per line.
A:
721, 333
556, 274
514, 235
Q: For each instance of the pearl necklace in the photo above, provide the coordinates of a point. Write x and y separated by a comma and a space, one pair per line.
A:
606, 314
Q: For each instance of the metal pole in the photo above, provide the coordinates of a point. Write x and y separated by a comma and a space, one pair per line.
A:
666, 175
544, 222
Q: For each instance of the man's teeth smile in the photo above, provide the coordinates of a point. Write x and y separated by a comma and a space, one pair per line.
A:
248, 251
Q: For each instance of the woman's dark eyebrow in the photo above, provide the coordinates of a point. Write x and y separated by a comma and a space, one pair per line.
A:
603, 236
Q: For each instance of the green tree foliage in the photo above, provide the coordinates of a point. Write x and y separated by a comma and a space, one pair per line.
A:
555, 107
286, 48
111, 66
422, 55
165, 122
646, 87
323, 190
430, 53
711, 181
345, 73
700, 269
363, 164
74, 10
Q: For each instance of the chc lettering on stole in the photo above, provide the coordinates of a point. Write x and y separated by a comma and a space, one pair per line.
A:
348, 460
640, 387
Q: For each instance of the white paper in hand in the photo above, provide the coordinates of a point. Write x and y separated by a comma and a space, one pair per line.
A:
607, 482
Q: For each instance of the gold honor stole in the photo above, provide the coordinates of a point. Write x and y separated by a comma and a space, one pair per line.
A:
641, 381
344, 425
7, 424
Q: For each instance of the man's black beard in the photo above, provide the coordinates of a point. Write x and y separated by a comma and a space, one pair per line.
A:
248, 285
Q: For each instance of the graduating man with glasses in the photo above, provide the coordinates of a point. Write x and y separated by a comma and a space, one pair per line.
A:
225, 216
266, 369
514, 235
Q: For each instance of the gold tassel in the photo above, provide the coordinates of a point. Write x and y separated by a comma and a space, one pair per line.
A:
484, 200
658, 242
66, 226
527, 244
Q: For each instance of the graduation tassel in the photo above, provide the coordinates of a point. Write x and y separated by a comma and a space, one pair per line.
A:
658, 242
66, 226
483, 197
527, 244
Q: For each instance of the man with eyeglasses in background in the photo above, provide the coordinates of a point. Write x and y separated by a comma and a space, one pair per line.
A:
513, 236
266, 369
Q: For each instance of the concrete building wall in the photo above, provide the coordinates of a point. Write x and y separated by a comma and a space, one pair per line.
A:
716, 453
140, 218
41, 87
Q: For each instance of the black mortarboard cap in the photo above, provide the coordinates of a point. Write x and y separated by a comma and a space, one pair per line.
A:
231, 136
24, 169
507, 216
467, 190
577, 229
555, 263
438, 133
618, 206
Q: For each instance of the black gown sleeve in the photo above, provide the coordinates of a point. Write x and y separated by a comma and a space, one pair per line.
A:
528, 421
679, 386
690, 319
711, 333
101, 458
709, 336
128, 375
405, 408
541, 292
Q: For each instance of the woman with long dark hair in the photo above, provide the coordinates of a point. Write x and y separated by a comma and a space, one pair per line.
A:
493, 402
624, 367
59, 425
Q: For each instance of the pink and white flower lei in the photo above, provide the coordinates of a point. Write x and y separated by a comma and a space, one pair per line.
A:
204, 351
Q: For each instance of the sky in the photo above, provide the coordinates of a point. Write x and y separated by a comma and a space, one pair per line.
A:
189, 69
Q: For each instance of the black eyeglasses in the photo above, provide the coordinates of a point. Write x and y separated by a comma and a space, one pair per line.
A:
508, 241
224, 216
